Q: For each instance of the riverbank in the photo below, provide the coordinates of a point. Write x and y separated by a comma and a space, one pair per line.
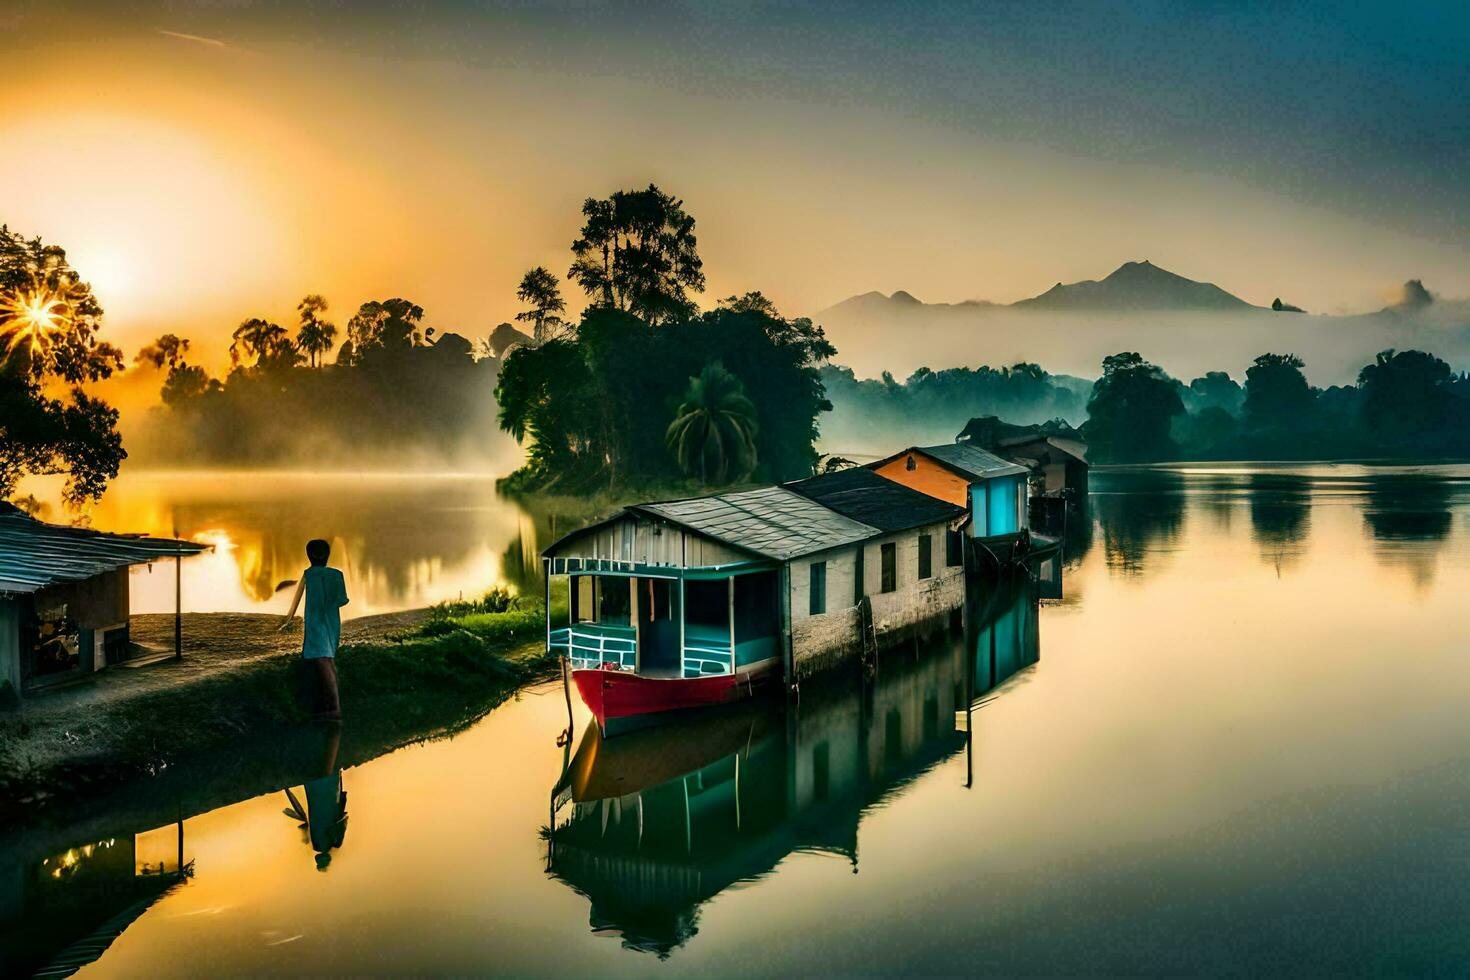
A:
404, 678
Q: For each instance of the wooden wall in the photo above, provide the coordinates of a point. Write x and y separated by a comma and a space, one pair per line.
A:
640, 540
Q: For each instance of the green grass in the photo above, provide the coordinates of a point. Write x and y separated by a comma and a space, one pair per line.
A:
435, 679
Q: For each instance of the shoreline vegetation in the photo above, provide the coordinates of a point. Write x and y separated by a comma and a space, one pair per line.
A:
428, 675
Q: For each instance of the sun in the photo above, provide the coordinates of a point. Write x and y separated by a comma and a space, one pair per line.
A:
32, 317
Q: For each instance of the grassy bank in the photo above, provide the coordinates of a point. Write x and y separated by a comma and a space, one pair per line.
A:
433, 678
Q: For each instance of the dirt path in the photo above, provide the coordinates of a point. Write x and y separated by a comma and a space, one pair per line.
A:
214, 643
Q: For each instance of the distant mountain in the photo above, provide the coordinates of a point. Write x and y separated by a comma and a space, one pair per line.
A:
1135, 286
874, 302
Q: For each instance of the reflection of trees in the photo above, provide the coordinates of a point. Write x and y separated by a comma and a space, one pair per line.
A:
1136, 510
388, 534
1409, 517
1281, 509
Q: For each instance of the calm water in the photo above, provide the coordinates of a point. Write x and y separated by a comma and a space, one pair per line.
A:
403, 541
1237, 744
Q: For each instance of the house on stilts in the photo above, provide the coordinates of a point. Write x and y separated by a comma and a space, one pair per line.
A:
675, 605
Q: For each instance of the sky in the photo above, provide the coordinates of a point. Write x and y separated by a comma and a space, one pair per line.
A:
204, 163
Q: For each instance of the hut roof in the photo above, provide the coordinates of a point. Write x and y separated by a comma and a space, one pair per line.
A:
967, 460
35, 554
773, 522
865, 496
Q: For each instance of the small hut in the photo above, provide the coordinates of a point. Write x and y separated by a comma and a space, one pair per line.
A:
1055, 453
64, 601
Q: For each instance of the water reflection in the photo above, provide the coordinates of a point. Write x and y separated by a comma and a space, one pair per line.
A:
650, 826
1138, 512
403, 541
323, 815
61, 910
1281, 508
1408, 517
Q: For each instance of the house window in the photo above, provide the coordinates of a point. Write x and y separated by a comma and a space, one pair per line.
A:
858, 586
817, 601
954, 555
926, 556
890, 567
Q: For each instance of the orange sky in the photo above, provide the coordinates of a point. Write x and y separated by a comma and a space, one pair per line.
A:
196, 184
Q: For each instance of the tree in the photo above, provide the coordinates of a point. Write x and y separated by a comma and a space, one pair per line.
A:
386, 327
1132, 410
184, 383
49, 346
166, 350
315, 336
713, 431
637, 253
1216, 389
541, 289
268, 343
1277, 395
1405, 395
502, 339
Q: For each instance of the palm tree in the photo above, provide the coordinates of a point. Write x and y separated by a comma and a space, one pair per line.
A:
542, 290
257, 338
714, 428
315, 336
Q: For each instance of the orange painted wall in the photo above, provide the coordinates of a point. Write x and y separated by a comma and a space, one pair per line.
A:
927, 477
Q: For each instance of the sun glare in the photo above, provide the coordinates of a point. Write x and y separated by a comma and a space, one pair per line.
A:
32, 316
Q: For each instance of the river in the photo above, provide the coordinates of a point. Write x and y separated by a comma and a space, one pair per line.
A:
1237, 744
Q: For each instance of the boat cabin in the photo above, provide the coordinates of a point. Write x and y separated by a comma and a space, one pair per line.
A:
64, 598
993, 491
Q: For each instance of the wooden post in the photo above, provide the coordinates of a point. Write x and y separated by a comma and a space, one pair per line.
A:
178, 606
731, 580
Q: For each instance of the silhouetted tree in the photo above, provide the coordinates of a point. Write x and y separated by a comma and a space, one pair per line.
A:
541, 290
1131, 411
268, 343
382, 328
1216, 389
637, 253
49, 348
1405, 394
168, 349
1277, 394
315, 336
713, 431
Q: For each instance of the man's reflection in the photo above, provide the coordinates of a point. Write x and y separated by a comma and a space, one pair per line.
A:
324, 817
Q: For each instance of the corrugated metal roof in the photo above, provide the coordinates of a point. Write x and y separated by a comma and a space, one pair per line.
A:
972, 460
34, 554
865, 496
773, 522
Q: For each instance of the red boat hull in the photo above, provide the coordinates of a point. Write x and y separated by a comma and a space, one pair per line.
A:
621, 700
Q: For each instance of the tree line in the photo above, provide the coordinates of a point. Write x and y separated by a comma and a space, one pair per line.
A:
1405, 405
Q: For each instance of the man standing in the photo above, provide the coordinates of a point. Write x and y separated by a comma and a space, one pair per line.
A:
326, 594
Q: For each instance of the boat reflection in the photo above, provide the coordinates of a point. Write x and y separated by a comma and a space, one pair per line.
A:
651, 825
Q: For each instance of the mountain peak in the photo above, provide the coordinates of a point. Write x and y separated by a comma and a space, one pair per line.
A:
1136, 286
901, 296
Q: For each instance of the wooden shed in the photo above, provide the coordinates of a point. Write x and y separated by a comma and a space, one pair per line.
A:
64, 602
